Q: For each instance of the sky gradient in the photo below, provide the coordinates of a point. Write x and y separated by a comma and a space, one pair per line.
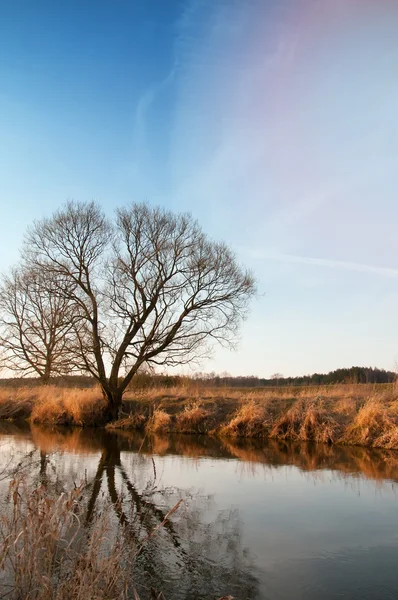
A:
274, 122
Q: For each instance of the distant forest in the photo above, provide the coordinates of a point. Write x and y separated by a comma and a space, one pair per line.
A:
145, 380
351, 375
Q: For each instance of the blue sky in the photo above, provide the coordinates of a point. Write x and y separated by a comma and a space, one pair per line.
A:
274, 123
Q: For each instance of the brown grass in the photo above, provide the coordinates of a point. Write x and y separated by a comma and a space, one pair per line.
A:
47, 554
307, 421
16, 403
160, 421
54, 405
375, 424
73, 406
346, 414
252, 419
193, 419
134, 421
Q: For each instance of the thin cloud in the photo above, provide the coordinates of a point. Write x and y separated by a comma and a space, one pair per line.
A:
144, 104
324, 262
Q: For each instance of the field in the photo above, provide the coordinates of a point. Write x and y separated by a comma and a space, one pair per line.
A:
357, 414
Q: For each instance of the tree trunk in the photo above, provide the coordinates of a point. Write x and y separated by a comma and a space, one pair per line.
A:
114, 402
45, 378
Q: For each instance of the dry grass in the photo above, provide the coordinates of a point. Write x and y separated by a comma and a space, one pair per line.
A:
132, 421
346, 414
375, 424
252, 419
194, 391
54, 405
307, 421
73, 406
16, 403
193, 419
159, 422
47, 554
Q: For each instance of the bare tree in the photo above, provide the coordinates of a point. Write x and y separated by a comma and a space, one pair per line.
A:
277, 377
35, 325
150, 288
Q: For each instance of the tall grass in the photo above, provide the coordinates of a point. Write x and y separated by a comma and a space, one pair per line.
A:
362, 414
375, 424
47, 554
355, 414
54, 405
307, 421
251, 419
193, 419
159, 421
16, 403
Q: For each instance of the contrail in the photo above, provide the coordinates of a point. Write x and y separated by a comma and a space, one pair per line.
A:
325, 262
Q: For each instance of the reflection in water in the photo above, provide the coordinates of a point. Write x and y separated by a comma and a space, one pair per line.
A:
375, 464
179, 552
200, 551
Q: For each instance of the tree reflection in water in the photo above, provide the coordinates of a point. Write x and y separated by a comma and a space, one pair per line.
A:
188, 556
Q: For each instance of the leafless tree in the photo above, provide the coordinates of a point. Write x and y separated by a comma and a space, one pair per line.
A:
277, 377
150, 288
35, 325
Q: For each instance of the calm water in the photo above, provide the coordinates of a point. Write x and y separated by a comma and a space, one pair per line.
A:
272, 521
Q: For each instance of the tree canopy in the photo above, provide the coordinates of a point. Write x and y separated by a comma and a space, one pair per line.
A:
145, 288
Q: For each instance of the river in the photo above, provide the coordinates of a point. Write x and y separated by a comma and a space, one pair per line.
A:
269, 521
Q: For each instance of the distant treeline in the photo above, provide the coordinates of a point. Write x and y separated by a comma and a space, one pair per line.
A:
146, 380
352, 375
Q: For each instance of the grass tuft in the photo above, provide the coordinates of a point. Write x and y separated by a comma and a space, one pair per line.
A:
193, 419
159, 422
16, 404
306, 421
53, 405
250, 420
373, 425
133, 421
74, 406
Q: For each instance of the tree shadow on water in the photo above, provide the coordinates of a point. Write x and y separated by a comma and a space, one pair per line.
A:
191, 553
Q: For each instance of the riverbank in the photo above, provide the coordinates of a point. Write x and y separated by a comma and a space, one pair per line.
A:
363, 415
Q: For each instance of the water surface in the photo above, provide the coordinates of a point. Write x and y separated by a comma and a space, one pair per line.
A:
259, 521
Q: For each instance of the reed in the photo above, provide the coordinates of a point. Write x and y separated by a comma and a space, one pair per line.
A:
359, 414
375, 424
193, 419
307, 421
47, 554
251, 419
160, 421
53, 404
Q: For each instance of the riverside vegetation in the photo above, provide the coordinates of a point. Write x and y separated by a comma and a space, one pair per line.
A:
357, 414
46, 553
59, 542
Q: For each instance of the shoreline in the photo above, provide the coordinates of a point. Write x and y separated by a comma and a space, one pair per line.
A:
344, 415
